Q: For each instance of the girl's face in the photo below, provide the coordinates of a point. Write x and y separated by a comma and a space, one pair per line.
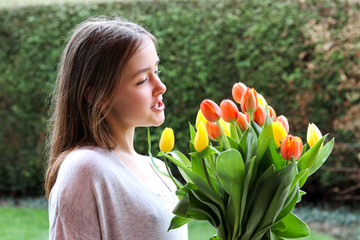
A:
138, 101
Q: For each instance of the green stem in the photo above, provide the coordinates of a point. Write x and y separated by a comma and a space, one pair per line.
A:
223, 135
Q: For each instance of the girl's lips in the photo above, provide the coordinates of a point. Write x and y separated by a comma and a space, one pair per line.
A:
160, 106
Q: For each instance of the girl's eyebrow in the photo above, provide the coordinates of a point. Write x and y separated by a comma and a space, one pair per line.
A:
142, 70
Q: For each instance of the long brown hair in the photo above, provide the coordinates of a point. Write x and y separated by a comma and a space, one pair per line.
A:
89, 72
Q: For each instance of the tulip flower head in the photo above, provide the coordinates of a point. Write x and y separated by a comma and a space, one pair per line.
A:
279, 133
200, 118
242, 122
249, 101
291, 148
210, 110
261, 100
272, 113
259, 115
313, 134
213, 131
229, 110
226, 126
283, 120
167, 140
201, 140
238, 91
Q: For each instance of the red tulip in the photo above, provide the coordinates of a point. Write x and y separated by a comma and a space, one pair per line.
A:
283, 120
229, 110
272, 113
259, 115
291, 147
249, 101
210, 110
213, 131
242, 122
238, 91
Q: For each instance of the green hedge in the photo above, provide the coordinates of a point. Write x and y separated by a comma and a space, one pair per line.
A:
204, 48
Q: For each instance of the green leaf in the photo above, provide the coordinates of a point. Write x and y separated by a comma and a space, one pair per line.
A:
190, 207
291, 227
249, 144
197, 179
266, 187
264, 140
178, 221
285, 178
215, 237
257, 129
230, 170
192, 132
308, 159
322, 156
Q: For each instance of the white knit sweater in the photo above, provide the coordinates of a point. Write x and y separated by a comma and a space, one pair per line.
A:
96, 197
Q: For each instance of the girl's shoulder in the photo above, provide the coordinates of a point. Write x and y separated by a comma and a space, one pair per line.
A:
86, 161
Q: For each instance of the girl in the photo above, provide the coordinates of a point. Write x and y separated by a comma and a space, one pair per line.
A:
97, 185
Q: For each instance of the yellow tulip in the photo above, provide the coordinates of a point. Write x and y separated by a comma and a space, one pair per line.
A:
167, 140
279, 133
200, 118
313, 134
226, 126
261, 100
201, 140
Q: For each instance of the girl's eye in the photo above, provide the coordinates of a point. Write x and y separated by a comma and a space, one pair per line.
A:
142, 82
157, 73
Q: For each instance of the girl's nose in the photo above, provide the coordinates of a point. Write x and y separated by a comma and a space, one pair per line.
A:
160, 88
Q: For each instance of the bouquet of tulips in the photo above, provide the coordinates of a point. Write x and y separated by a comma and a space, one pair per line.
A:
247, 180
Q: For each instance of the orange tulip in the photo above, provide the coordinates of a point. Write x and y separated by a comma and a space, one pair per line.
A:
259, 115
283, 120
272, 113
238, 91
242, 122
249, 101
213, 131
291, 147
229, 110
210, 110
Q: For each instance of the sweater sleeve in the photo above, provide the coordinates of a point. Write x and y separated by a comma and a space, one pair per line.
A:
72, 206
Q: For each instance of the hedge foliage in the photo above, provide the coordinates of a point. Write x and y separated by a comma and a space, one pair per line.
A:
292, 53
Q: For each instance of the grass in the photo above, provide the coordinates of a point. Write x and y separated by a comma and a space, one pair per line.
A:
23, 223
30, 223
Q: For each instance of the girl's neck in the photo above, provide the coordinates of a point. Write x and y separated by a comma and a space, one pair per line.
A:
125, 142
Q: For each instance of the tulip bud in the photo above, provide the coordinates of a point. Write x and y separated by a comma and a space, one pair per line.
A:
201, 140
313, 134
210, 110
238, 91
283, 120
249, 101
229, 110
242, 122
259, 116
272, 113
291, 147
279, 133
167, 140
213, 131
200, 118
261, 100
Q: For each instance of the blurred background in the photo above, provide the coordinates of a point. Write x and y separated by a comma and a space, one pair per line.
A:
303, 56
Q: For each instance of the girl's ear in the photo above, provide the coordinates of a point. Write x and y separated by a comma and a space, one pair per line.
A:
89, 94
